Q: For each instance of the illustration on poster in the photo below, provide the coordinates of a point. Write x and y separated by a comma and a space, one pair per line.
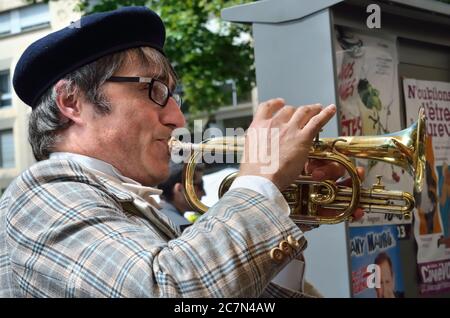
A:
367, 92
386, 279
427, 200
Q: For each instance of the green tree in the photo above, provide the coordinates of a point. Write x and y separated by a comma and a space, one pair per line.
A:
205, 50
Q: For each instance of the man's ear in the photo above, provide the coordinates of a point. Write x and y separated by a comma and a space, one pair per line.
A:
69, 101
178, 188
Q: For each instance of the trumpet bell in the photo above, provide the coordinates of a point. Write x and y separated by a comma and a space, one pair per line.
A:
405, 148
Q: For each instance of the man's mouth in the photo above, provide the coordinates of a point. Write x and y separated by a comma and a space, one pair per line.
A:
164, 145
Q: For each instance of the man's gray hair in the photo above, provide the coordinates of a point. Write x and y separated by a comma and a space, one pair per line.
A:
46, 120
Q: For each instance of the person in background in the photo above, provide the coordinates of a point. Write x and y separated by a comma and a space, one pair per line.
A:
173, 201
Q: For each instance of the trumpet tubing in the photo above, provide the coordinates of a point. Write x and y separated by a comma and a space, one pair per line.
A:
306, 197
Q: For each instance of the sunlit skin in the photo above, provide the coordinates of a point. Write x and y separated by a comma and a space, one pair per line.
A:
387, 287
133, 137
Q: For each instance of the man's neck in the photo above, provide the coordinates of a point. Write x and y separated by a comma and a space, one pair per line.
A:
93, 164
178, 207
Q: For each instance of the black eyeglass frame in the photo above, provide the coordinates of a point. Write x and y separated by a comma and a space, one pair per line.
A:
151, 81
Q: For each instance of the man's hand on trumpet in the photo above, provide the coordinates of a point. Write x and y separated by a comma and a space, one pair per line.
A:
278, 143
279, 140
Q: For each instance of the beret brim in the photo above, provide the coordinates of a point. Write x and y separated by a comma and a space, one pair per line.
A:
59, 53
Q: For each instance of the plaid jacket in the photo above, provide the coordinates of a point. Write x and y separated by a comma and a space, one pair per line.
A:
65, 232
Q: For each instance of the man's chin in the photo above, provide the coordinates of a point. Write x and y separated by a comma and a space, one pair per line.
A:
163, 178
158, 177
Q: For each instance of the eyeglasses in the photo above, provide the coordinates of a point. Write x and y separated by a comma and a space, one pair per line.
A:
158, 92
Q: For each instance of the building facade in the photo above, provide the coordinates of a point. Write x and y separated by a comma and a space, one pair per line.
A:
21, 23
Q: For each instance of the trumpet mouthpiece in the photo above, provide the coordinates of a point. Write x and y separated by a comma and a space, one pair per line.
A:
175, 145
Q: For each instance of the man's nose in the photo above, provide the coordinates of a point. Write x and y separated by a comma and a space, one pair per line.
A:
172, 114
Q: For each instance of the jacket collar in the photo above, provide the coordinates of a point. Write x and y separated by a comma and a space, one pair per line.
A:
123, 189
109, 175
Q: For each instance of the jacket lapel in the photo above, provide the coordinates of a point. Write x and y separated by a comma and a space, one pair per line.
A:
132, 202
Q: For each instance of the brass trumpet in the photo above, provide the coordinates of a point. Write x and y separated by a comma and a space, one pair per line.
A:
305, 196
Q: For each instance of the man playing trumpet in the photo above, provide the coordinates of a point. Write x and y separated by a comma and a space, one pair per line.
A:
81, 221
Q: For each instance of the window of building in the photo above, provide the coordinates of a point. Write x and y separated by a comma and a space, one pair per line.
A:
34, 16
5, 23
5, 89
25, 18
7, 159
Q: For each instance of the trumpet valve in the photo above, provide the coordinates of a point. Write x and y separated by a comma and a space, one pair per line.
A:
379, 185
317, 140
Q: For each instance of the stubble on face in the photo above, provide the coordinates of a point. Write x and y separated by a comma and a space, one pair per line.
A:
138, 143
134, 136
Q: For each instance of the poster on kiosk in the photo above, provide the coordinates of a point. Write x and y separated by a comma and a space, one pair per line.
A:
432, 227
367, 81
375, 262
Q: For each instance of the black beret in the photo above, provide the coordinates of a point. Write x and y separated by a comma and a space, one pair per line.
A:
52, 57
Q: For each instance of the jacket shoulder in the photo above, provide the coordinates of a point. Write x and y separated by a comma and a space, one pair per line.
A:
60, 178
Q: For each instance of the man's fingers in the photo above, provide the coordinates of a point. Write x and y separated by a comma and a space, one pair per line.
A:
325, 169
358, 214
327, 212
316, 123
284, 114
347, 182
303, 114
361, 172
267, 109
